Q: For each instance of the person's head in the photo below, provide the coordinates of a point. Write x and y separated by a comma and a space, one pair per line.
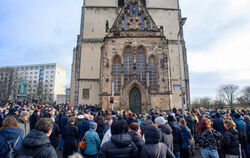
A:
203, 125
152, 134
118, 127
182, 122
133, 126
10, 122
91, 118
247, 118
159, 121
76, 155
171, 118
110, 120
237, 116
45, 125
227, 117
24, 115
86, 116
92, 125
71, 120
229, 124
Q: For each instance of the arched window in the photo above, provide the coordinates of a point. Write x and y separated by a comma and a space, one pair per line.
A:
152, 70
117, 74
128, 64
141, 65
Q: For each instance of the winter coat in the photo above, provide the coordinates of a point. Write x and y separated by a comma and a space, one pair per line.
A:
11, 135
218, 125
207, 139
92, 142
137, 140
54, 135
78, 120
120, 146
33, 120
69, 136
167, 136
186, 136
190, 124
107, 137
63, 123
100, 129
25, 126
83, 127
231, 142
177, 139
34, 140
152, 151
153, 145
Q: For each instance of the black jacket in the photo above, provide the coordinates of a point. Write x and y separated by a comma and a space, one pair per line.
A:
120, 146
137, 140
54, 136
231, 142
207, 139
218, 124
177, 139
34, 140
190, 124
69, 136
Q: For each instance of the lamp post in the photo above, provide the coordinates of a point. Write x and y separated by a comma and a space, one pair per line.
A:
182, 22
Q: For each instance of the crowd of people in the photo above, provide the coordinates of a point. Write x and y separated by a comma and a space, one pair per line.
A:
41, 131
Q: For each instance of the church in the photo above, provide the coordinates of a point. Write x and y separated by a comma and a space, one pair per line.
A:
131, 51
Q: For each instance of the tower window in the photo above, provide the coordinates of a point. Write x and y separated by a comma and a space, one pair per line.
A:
142, 21
120, 3
144, 3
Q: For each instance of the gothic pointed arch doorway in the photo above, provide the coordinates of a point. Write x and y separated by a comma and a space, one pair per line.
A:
135, 104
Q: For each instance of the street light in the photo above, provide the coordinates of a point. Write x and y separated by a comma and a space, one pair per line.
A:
182, 22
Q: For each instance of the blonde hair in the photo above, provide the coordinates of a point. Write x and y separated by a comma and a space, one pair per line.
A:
227, 117
230, 124
194, 117
183, 122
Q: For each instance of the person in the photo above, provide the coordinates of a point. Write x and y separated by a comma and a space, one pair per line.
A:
1, 116
241, 128
10, 132
247, 121
92, 141
100, 127
70, 136
37, 143
218, 123
120, 145
186, 136
107, 131
153, 147
206, 138
83, 127
24, 122
230, 140
177, 139
146, 122
33, 119
166, 132
55, 134
135, 132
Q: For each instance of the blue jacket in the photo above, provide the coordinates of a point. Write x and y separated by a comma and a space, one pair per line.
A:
185, 133
92, 142
83, 127
240, 126
11, 135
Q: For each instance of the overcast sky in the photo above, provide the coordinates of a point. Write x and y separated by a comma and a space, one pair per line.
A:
217, 35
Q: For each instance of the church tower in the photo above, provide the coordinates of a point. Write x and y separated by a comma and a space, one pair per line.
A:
132, 45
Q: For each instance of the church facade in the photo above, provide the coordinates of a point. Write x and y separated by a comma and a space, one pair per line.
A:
128, 49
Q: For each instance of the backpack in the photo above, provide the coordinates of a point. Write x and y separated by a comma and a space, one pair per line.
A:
30, 152
11, 148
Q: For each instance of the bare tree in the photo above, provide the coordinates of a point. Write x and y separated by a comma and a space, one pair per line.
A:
244, 98
228, 93
205, 102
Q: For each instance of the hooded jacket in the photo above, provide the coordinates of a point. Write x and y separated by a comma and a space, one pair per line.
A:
136, 139
231, 142
153, 147
167, 136
83, 128
11, 135
120, 146
177, 139
34, 140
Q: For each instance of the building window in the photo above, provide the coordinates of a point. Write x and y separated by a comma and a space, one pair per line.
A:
136, 9
141, 65
152, 70
47, 72
128, 64
120, 3
85, 94
117, 74
125, 22
148, 26
142, 21
144, 3
131, 9
52, 72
